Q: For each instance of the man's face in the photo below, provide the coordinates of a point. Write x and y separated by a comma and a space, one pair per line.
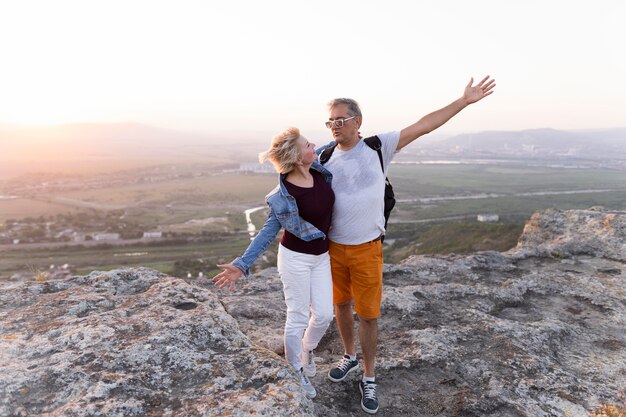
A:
350, 129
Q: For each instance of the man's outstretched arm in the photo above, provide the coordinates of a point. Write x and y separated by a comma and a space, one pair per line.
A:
432, 121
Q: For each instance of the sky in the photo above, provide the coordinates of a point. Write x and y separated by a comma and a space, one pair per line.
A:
218, 66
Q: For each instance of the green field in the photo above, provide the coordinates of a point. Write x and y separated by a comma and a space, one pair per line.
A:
231, 188
417, 226
423, 181
161, 256
21, 208
438, 179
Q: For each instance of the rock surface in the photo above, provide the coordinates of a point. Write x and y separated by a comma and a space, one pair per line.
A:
536, 331
592, 232
133, 342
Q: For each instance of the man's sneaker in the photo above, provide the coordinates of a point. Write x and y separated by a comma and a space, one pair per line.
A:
308, 388
369, 400
342, 369
308, 360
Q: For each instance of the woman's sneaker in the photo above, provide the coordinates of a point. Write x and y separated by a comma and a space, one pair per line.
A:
342, 369
369, 399
308, 360
308, 388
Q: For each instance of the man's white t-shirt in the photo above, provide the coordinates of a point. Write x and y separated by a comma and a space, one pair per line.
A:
359, 186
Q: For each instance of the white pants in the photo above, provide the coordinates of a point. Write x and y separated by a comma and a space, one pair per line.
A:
308, 291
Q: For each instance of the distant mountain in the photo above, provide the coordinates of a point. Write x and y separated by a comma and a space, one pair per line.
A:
534, 143
100, 147
94, 146
100, 140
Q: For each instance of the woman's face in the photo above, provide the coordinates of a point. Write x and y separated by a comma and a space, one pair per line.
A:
307, 151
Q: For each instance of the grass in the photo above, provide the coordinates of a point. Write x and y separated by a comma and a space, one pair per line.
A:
522, 206
105, 257
20, 208
411, 180
609, 411
42, 276
450, 237
229, 194
229, 188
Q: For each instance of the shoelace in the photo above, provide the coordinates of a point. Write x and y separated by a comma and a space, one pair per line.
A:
369, 390
304, 379
344, 364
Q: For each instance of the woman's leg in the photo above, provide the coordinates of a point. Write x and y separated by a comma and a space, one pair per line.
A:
321, 293
294, 269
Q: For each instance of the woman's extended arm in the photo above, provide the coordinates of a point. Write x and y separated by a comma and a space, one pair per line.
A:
240, 266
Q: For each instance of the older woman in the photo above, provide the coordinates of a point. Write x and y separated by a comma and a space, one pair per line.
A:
301, 204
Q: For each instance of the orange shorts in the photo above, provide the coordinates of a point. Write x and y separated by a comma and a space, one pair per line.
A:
358, 274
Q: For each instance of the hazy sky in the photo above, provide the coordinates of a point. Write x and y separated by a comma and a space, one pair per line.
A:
264, 65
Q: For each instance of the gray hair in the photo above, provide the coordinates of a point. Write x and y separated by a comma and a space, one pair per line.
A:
353, 106
284, 151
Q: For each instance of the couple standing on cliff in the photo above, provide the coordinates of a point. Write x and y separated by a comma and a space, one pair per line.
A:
333, 221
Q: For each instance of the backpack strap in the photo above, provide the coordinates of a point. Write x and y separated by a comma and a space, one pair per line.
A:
375, 143
326, 154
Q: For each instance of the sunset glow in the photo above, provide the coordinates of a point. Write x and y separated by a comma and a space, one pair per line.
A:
264, 65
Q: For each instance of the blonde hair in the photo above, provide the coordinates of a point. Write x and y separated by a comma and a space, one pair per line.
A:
284, 151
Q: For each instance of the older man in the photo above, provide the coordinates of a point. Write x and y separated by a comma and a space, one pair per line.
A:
358, 225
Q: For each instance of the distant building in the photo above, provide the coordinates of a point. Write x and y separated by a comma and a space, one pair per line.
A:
106, 236
78, 237
70, 234
152, 235
257, 168
488, 218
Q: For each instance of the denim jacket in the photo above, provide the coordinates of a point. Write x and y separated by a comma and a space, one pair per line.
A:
283, 214
319, 150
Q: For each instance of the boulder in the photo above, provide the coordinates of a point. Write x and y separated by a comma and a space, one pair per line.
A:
536, 331
133, 342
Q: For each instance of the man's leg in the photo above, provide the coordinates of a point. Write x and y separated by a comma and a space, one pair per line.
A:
345, 325
342, 295
367, 286
368, 335
367, 283
342, 299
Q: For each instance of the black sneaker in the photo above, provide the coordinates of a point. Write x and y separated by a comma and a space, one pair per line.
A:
342, 369
369, 399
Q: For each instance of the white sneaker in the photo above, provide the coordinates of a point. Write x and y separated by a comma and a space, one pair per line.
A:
308, 388
308, 363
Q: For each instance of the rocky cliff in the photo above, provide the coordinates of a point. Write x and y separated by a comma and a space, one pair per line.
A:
536, 331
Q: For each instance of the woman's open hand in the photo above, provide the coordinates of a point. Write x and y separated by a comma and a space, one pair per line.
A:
229, 275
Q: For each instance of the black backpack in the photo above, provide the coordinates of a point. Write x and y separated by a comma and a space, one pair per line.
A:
374, 143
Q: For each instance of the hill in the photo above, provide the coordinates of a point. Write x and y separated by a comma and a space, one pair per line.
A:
600, 144
107, 147
535, 331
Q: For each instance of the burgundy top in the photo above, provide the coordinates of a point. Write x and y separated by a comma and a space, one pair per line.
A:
315, 205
